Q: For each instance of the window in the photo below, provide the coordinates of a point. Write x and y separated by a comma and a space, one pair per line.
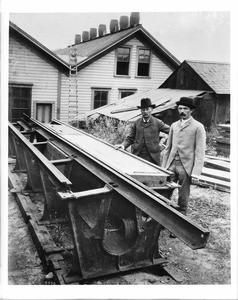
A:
44, 112
125, 92
123, 61
19, 101
100, 98
143, 68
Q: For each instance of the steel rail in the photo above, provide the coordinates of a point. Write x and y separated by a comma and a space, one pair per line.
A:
137, 193
42, 160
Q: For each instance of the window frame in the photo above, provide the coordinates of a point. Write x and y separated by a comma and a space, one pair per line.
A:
35, 103
116, 61
121, 90
137, 62
98, 89
12, 85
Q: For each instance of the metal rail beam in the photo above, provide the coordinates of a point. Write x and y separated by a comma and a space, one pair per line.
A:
138, 194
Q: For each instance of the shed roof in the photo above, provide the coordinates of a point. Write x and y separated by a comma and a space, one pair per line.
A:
215, 74
90, 49
126, 108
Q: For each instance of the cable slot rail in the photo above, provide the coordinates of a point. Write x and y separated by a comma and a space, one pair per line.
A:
115, 218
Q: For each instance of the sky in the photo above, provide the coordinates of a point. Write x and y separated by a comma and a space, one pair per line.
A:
196, 35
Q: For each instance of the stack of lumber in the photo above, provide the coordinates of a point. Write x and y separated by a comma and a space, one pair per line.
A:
222, 141
216, 173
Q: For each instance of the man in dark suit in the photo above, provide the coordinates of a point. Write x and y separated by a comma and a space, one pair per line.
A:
144, 135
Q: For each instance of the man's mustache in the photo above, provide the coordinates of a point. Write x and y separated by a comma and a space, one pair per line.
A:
182, 114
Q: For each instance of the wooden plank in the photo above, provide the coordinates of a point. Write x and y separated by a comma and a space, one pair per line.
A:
218, 158
217, 164
223, 140
224, 126
104, 152
214, 182
219, 174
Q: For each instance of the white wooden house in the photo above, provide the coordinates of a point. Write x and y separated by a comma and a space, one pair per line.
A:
105, 68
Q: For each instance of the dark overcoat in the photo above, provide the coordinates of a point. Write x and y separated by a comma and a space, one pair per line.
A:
148, 133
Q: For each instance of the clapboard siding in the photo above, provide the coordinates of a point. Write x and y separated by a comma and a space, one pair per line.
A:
48, 85
25, 66
100, 74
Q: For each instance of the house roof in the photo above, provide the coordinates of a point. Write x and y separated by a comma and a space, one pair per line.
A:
163, 99
91, 49
215, 74
47, 52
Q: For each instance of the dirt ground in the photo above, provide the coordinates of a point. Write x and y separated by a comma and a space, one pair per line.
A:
211, 265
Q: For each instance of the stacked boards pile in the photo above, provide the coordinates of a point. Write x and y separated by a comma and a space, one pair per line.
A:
216, 173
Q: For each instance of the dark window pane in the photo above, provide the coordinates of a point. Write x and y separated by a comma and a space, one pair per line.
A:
25, 93
16, 103
100, 98
143, 70
123, 60
125, 94
103, 95
122, 68
24, 103
97, 95
16, 92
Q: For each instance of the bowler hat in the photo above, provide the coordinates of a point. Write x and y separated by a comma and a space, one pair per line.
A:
146, 102
186, 101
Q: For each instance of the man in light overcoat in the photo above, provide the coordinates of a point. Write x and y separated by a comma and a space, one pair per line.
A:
185, 150
144, 134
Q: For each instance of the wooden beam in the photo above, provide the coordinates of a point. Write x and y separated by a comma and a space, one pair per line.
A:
219, 174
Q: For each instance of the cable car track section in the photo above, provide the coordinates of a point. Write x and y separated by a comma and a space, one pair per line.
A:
115, 219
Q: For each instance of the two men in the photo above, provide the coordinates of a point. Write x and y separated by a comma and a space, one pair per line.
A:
185, 151
144, 134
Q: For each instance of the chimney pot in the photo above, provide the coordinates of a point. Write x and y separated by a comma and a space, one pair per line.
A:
134, 18
77, 39
102, 30
85, 36
124, 22
114, 26
93, 33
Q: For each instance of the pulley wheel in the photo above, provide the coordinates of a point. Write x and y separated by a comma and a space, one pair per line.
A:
120, 235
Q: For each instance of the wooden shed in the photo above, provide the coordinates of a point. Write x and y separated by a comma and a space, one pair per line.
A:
212, 77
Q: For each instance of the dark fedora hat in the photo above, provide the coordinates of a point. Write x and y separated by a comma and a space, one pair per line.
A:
146, 102
186, 101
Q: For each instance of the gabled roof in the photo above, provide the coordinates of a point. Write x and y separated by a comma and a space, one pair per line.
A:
215, 74
163, 99
88, 50
34, 43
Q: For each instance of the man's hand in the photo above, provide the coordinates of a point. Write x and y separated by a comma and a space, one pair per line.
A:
117, 147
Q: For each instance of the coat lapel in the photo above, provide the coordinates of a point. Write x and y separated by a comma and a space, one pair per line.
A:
186, 124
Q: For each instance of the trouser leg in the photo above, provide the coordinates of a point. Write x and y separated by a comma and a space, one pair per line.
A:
183, 179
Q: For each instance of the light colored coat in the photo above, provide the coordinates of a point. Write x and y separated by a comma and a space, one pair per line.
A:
190, 142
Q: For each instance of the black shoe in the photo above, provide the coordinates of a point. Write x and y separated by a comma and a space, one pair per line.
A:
172, 236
